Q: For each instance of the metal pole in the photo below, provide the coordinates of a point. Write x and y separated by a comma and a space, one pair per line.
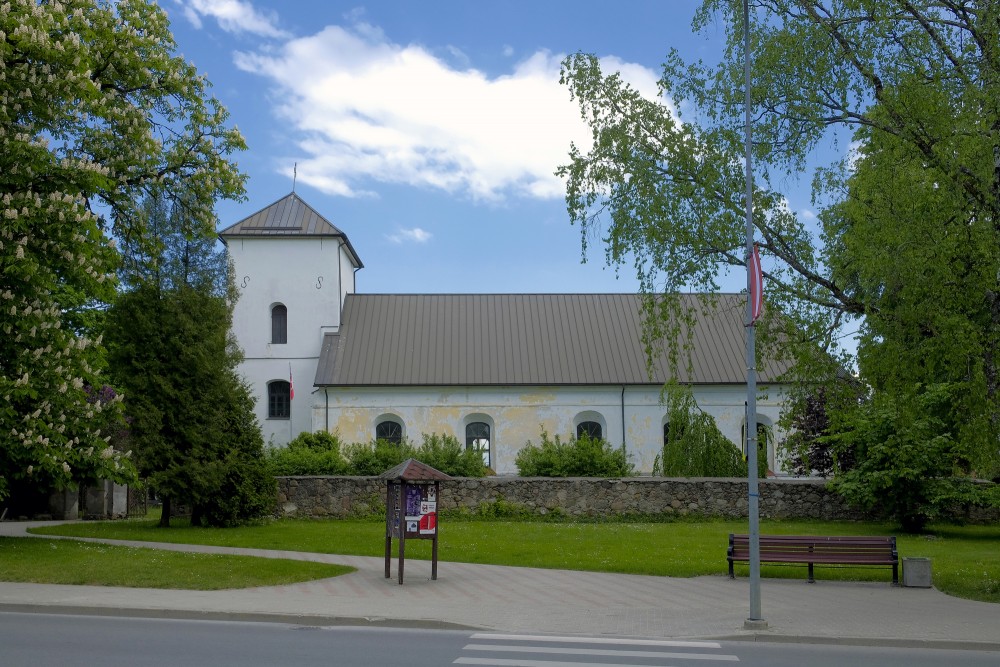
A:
755, 621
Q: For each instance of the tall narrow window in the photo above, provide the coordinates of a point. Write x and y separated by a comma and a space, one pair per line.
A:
389, 431
477, 437
279, 403
592, 430
279, 324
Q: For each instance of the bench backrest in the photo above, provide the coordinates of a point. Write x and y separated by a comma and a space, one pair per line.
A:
857, 547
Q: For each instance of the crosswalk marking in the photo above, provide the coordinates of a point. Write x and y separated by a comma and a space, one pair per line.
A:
596, 651
614, 648
672, 643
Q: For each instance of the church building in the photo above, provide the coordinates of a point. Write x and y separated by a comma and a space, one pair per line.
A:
493, 370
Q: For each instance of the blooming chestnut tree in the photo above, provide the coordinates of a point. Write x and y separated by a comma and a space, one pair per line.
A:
96, 111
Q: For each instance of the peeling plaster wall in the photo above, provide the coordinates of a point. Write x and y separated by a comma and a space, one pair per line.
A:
520, 414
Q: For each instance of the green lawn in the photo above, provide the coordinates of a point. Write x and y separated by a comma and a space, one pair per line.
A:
86, 563
965, 562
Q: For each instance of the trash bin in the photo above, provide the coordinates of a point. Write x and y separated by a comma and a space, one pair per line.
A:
917, 572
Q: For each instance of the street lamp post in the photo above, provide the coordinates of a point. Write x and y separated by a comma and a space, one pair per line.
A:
755, 621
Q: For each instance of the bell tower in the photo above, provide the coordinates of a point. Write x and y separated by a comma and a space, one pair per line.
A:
292, 268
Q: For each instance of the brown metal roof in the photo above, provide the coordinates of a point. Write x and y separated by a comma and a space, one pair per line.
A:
526, 339
412, 470
287, 218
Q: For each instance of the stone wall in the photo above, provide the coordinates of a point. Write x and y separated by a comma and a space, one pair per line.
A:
727, 498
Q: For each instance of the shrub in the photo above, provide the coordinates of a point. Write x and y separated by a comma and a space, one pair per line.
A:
320, 454
308, 454
243, 490
237, 487
374, 458
446, 453
580, 457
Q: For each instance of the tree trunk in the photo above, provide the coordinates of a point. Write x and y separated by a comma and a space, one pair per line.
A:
165, 513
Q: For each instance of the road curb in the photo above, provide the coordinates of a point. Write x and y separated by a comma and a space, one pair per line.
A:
310, 620
884, 642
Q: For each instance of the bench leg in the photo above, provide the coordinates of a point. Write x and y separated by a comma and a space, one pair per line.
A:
895, 574
812, 579
732, 575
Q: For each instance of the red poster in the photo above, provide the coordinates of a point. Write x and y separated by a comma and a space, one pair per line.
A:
428, 524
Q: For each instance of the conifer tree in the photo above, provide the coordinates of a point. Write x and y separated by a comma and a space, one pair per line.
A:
196, 438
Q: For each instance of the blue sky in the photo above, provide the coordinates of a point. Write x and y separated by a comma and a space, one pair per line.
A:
429, 131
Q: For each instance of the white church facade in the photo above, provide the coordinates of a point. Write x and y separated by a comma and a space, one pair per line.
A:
493, 370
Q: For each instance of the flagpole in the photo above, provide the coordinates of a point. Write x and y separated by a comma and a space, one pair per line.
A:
755, 621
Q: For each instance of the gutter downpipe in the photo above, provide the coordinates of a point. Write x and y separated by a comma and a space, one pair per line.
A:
623, 418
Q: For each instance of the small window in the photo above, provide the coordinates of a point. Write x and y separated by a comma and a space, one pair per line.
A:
590, 429
279, 400
477, 437
389, 431
279, 325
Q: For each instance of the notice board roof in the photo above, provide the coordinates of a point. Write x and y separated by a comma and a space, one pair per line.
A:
412, 470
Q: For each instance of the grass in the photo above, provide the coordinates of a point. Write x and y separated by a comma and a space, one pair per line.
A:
964, 558
34, 560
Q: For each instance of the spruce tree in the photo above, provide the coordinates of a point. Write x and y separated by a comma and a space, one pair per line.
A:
196, 438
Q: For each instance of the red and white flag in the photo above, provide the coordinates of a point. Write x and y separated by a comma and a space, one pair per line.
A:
756, 285
291, 385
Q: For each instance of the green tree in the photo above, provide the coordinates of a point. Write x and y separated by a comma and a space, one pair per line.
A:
905, 247
809, 445
94, 111
693, 444
171, 350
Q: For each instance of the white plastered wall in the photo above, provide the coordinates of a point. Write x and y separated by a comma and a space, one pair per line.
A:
310, 277
519, 414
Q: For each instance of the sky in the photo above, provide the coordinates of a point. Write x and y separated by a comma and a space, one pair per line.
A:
429, 132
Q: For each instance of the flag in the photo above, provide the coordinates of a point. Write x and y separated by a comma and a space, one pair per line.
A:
756, 285
291, 385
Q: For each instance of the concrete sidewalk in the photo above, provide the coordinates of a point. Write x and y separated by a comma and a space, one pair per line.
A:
527, 600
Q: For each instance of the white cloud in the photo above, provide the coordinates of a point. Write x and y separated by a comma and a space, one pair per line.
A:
415, 235
368, 110
236, 16
807, 214
855, 151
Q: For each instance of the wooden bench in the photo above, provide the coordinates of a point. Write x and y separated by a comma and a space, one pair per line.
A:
825, 550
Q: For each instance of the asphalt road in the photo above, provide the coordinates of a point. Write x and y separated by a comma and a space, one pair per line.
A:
41, 640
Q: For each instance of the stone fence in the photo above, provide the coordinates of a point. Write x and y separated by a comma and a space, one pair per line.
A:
589, 497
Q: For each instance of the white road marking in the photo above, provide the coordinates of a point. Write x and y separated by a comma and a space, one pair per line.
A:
597, 651
672, 643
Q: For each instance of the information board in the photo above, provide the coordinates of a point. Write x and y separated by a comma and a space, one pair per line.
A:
414, 510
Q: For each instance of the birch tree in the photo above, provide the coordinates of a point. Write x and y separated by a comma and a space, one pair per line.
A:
905, 94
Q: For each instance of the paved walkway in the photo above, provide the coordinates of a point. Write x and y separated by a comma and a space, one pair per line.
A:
527, 600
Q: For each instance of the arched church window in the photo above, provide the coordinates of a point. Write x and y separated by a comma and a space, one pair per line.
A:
592, 430
389, 431
279, 324
763, 437
279, 400
672, 431
477, 437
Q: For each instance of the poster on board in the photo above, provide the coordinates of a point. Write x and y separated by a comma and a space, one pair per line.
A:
419, 511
